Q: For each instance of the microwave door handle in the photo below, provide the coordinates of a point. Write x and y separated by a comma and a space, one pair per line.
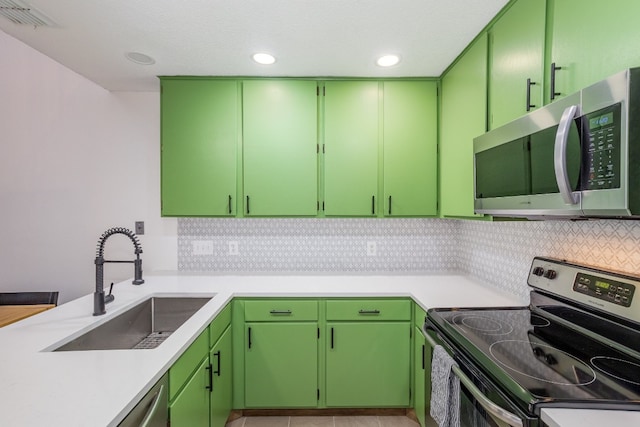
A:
489, 406
560, 156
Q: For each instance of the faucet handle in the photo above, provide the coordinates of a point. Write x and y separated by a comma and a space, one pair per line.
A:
109, 298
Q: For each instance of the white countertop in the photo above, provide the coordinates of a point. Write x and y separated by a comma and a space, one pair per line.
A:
96, 388
589, 418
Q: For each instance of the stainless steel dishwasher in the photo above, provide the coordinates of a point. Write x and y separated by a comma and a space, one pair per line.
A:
153, 408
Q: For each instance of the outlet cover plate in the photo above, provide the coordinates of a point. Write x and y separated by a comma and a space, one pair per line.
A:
372, 248
233, 248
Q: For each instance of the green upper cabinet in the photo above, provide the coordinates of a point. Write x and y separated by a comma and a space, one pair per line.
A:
351, 148
463, 117
280, 147
410, 148
516, 53
592, 41
199, 121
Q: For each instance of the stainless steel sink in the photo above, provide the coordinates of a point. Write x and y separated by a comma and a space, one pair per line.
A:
143, 326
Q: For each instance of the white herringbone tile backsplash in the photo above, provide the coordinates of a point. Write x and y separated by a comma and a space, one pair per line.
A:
496, 252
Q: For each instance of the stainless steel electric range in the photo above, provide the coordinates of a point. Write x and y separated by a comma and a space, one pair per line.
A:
577, 345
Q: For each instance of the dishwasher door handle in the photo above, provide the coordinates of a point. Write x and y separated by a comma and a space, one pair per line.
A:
148, 418
493, 409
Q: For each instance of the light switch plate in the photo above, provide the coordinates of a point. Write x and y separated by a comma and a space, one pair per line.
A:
139, 228
202, 247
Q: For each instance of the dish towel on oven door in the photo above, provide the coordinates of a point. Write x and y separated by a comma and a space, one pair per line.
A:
445, 389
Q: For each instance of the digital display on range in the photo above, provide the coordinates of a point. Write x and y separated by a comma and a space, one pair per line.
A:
613, 291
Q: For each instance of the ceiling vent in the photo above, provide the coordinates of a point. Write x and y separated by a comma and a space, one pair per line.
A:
21, 13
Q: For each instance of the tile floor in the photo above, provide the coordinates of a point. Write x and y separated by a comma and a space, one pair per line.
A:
324, 421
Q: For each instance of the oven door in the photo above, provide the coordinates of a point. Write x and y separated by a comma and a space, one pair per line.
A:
482, 404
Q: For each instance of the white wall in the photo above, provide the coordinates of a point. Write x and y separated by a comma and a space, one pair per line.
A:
75, 160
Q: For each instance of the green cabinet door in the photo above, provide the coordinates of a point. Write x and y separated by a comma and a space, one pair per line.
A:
464, 112
516, 52
410, 142
281, 365
222, 392
351, 148
420, 375
280, 147
368, 364
592, 41
191, 407
199, 133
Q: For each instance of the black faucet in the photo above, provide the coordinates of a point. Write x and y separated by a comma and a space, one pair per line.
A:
99, 298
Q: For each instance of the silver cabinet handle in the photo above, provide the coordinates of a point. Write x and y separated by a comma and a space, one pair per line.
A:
153, 408
495, 410
560, 156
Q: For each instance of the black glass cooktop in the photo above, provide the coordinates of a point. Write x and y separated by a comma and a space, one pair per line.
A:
544, 361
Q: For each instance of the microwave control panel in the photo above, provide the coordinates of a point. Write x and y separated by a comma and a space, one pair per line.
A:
602, 151
613, 291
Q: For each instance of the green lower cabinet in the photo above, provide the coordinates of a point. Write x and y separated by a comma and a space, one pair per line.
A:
281, 365
191, 407
368, 364
221, 397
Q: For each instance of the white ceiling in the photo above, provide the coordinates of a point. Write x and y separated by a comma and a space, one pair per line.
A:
217, 37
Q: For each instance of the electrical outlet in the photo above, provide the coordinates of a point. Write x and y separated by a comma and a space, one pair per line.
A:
202, 247
372, 249
139, 228
233, 248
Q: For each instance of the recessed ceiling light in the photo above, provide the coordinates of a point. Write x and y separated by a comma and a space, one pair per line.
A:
263, 58
140, 58
388, 60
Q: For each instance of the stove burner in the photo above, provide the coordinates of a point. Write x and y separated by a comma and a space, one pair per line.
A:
617, 368
555, 367
539, 321
483, 324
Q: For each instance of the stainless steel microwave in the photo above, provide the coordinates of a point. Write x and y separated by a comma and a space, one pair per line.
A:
578, 157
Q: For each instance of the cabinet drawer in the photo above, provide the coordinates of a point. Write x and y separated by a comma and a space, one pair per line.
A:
219, 325
368, 309
280, 310
180, 372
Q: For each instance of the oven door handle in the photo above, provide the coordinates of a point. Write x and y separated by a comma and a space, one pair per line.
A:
495, 410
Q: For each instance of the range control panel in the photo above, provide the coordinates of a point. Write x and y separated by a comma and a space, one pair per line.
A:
609, 291
605, 289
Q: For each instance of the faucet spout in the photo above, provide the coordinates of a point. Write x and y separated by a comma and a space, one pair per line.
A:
99, 298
